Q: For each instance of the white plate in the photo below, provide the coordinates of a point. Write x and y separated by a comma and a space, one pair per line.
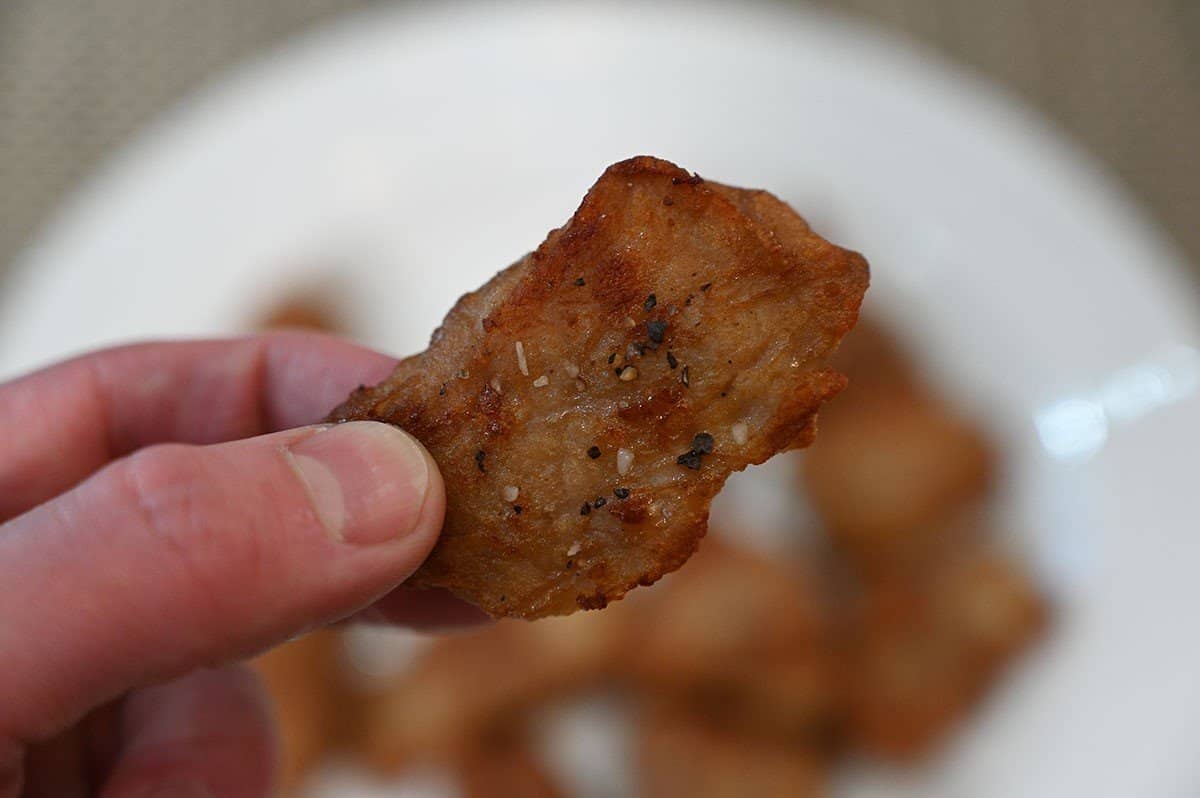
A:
419, 150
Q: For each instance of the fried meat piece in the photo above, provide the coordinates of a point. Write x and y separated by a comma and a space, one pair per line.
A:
928, 644
691, 756
746, 638
587, 404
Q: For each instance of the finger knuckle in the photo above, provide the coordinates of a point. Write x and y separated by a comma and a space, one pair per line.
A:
191, 523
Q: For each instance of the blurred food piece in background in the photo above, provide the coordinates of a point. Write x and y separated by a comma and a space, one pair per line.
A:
926, 643
304, 311
746, 638
504, 767
470, 687
306, 682
891, 460
688, 755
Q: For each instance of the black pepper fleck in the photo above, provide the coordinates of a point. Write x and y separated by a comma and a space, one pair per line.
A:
586, 509
517, 509
599, 502
668, 201
479, 455
621, 493
689, 460
442, 391
671, 361
650, 302
579, 281
593, 452
611, 358
685, 378
689, 299
656, 329
703, 443
706, 286
723, 394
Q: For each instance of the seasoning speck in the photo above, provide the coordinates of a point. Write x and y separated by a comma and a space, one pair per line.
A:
624, 461
586, 509
656, 329
685, 377
579, 281
689, 460
521, 364
630, 323
593, 452
740, 433
629, 373
517, 509
479, 455
541, 382
572, 370
706, 286
703, 443
599, 502
650, 302
621, 493
510, 493
671, 361
463, 374
495, 384
575, 548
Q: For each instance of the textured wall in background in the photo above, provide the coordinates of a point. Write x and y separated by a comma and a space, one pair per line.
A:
77, 77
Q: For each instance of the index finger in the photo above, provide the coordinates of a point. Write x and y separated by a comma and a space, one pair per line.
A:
65, 422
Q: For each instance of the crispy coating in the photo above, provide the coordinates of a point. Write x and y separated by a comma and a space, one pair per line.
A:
744, 637
684, 755
465, 688
929, 644
587, 404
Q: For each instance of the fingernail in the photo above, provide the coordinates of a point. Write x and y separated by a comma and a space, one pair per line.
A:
367, 480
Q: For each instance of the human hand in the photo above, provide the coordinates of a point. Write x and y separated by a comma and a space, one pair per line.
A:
147, 540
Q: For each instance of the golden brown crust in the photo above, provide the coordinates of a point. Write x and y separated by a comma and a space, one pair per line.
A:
667, 307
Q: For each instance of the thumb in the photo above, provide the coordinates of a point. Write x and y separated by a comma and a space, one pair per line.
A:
186, 555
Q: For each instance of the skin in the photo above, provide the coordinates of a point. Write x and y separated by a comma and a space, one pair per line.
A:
164, 513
